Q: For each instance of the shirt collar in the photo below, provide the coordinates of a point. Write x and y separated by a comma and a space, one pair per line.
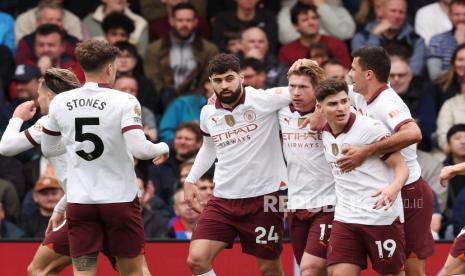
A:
346, 128
95, 84
377, 93
302, 113
219, 105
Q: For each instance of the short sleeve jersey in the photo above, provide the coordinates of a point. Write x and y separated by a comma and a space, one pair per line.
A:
354, 189
246, 138
311, 183
91, 121
387, 107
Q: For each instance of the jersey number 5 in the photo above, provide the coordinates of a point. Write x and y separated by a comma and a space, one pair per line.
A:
87, 136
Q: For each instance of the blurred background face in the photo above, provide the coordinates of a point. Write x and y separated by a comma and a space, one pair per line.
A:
47, 199
27, 90
247, 4
128, 85
255, 38
335, 72
183, 210
400, 76
185, 143
51, 16
320, 56
125, 62
308, 24
184, 172
183, 23
205, 190
457, 14
114, 5
395, 12
459, 63
49, 45
457, 144
115, 35
252, 78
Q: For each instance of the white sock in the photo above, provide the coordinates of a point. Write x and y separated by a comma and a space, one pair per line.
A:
209, 273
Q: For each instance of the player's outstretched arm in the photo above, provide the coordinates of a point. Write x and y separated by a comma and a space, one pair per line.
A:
141, 148
450, 171
13, 141
354, 156
387, 195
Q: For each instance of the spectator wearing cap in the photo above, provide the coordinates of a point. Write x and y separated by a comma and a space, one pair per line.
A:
47, 192
254, 73
117, 27
49, 48
26, 79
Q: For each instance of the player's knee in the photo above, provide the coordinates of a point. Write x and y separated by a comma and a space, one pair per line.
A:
34, 270
198, 264
312, 269
270, 269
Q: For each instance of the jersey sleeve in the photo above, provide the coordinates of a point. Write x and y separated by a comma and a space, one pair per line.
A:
375, 131
393, 113
34, 133
132, 115
204, 121
272, 99
13, 141
50, 126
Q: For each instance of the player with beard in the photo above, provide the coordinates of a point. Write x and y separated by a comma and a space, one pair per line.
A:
241, 131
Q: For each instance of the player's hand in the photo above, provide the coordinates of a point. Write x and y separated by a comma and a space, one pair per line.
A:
191, 195
25, 111
353, 157
385, 197
212, 99
44, 63
55, 220
446, 174
160, 159
149, 193
316, 122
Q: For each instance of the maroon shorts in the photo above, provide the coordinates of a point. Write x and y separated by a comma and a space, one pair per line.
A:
116, 228
310, 231
58, 240
383, 244
418, 210
458, 248
260, 231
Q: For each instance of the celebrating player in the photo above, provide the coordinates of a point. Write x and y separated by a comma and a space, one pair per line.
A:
368, 215
241, 130
311, 194
374, 98
102, 131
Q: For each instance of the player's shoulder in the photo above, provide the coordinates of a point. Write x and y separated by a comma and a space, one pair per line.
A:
368, 124
285, 111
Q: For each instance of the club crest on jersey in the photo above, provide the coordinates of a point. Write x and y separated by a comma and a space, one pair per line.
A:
229, 120
137, 110
335, 149
250, 116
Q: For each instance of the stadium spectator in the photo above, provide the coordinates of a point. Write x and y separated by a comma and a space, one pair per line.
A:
320, 53
155, 225
10, 200
334, 70
254, 74
7, 35
182, 225
12, 170
160, 27
307, 23
117, 27
233, 42
7, 68
394, 31
430, 169
184, 170
186, 143
368, 10
441, 46
335, 20
433, 19
140, 36
456, 145
49, 45
156, 9
49, 11
436, 219
183, 109
130, 63
177, 62
452, 112
128, 84
205, 186
255, 45
246, 15
8, 230
47, 193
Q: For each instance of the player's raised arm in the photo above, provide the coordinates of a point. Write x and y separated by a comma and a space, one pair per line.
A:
450, 171
13, 141
388, 195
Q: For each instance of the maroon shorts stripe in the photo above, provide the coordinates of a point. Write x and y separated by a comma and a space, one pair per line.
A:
29, 138
50, 132
399, 125
128, 128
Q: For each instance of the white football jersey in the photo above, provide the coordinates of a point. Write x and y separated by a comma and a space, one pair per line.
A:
248, 149
354, 189
34, 136
387, 107
91, 121
311, 183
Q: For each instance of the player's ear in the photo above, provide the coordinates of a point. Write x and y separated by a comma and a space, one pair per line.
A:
50, 96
